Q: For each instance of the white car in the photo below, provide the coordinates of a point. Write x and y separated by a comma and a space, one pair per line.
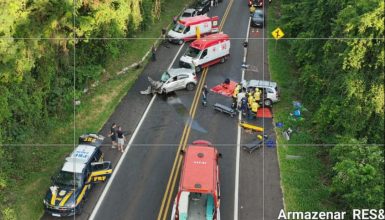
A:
188, 13
172, 80
269, 90
176, 79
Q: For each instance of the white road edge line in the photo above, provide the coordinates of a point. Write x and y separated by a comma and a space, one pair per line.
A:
236, 191
109, 183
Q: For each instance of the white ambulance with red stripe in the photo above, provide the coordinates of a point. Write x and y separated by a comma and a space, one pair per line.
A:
186, 29
206, 51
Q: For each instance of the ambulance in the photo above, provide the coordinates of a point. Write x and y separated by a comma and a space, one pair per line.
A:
186, 28
81, 170
198, 196
206, 51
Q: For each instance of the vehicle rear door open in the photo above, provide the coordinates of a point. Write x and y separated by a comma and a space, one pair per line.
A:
100, 171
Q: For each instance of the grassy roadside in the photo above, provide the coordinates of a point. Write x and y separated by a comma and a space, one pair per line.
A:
38, 163
304, 172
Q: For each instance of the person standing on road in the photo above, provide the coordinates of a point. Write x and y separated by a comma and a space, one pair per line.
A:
211, 3
153, 53
121, 138
205, 91
112, 134
215, 3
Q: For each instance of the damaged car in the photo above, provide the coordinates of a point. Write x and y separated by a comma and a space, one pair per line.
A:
172, 80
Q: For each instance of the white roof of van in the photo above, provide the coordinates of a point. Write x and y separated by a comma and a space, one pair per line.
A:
260, 83
78, 159
73, 166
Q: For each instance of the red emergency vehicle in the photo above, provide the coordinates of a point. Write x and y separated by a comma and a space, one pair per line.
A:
206, 51
186, 29
199, 189
255, 3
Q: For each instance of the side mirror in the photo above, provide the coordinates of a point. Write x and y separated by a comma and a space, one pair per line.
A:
182, 152
219, 155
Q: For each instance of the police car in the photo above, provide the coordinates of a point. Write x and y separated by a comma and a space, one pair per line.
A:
83, 168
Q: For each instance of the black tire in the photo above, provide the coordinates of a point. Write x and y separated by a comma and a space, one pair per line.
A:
267, 102
79, 208
190, 86
164, 92
180, 42
198, 69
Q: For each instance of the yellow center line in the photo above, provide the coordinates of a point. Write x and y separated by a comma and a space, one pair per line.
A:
183, 142
177, 152
204, 74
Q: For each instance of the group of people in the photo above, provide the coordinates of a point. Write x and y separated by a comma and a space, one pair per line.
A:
246, 101
117, 137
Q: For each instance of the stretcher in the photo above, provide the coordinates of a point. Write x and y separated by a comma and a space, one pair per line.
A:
250, 127
225, 109
252, 146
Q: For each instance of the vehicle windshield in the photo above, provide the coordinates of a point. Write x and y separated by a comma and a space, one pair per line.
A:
186, 15
258, 14
192, 52
68, 179
165, 76
179, 28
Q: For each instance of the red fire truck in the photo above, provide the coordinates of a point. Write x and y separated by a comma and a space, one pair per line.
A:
255, 3
199, 189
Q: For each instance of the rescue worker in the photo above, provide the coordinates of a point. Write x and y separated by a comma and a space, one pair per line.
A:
240, 96
257, 95
254, 107
235, 94
250, 98
252, 9
244, 107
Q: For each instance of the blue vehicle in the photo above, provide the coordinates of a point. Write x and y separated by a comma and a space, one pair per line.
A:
81, 170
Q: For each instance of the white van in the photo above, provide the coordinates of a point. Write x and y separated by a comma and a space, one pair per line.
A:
206, 51
269, 90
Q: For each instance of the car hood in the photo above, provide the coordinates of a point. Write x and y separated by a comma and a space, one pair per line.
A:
174, 34
61, 196
186, 59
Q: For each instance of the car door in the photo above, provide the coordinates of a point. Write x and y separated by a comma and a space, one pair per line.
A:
181, 81
171, 84
100, 171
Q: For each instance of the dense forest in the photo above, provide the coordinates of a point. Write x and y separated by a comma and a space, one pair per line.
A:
338, 48
41, 43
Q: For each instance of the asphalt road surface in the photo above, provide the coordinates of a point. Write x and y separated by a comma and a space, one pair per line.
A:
138, 188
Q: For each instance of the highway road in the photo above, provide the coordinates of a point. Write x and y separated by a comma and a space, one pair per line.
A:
144, 186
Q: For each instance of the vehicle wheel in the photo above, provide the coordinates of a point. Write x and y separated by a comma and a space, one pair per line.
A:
198, 69
164, 92
80, 208
180, 42
190, 86
223, 60
267, 102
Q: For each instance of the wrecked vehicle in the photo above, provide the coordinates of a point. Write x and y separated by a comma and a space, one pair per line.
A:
172, 80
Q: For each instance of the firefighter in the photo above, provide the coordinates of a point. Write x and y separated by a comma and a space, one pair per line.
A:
257, 95
235, 95
250, 99
254, 107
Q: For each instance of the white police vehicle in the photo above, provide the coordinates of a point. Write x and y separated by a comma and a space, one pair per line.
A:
83, 168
